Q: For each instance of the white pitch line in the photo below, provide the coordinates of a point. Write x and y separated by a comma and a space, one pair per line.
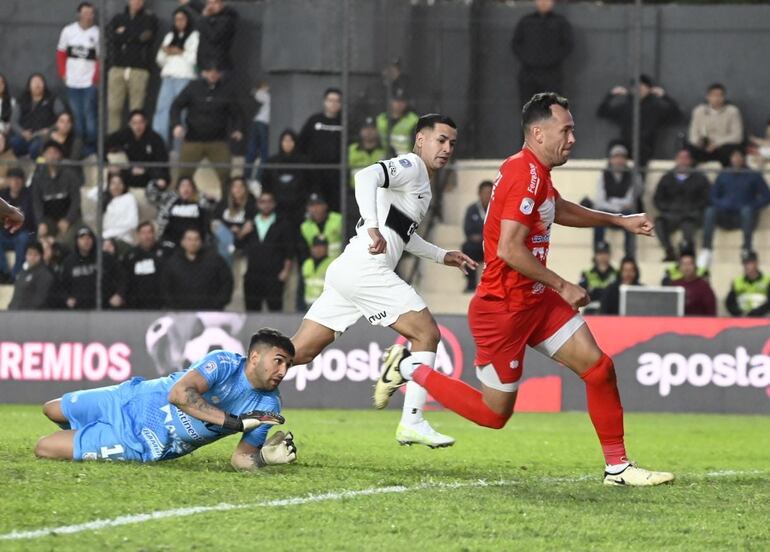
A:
308, 499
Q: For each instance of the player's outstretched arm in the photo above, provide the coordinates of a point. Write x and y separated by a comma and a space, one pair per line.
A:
572, 214
278, 449
12, 217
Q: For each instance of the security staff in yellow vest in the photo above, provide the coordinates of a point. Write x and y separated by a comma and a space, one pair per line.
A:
367, 151
314, 269
321, 221
396, 127
672, 272
750, 293
601, 275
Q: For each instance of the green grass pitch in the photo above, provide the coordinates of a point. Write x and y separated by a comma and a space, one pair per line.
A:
536, 485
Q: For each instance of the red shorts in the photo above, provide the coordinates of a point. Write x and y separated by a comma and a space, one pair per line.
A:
501, 335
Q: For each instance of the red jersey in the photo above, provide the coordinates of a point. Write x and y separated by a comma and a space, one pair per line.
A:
523, 192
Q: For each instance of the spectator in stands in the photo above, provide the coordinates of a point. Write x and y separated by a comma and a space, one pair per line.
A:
233, 219
672, 271
213, 115
716, 127
288, 185
473, 226
121, 213
8, 106
130, 36
396, 126
178, 210
269, 252
319, 140
541, 42
18, 195
79, 273
657, 110
617, 192
749, 293
176, 58
257, 144
35, 281
196, 278
216, 23
38, 110
601, 275
314, 269
736, 199
681, 198
362, 153
63, 132
321, 221
77, 55
140, 144
628, 275
699, 298
7, 158
143, 265
393, 78
55, 196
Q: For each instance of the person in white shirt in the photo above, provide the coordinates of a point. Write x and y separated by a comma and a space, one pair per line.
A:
176, 59
121, 213
259, 132
393, 197
77, 55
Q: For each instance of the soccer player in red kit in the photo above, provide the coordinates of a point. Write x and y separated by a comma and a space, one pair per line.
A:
521, 302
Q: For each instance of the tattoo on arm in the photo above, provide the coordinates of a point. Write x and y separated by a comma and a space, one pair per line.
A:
193, 403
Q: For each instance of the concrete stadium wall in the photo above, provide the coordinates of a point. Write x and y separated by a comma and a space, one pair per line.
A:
457, 57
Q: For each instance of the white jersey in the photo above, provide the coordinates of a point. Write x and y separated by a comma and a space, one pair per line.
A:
82, 49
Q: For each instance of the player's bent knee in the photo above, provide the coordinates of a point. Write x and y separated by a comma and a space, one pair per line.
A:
43, 448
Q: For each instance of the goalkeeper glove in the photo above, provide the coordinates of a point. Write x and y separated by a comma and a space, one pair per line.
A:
251, 420
278, 449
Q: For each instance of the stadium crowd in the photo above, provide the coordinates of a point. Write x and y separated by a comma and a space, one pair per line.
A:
276, 215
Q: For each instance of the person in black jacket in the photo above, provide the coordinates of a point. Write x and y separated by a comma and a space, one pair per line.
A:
542, 41
216, 23
213, 115
140, 144
79, 273
17, 195
178, 210
143, 265
681, 198
657, 110
269, 253
34, 283
131, 37
628, 274
55, 196
194, 278
289, 186
473, 226
319, 140
233, 219
38, 109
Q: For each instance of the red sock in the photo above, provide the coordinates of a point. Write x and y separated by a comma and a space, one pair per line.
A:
459, 397
605, 409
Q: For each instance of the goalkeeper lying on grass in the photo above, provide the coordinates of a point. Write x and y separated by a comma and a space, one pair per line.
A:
168, 417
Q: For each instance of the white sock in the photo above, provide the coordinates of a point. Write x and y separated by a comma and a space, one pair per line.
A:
615, 469
415, 396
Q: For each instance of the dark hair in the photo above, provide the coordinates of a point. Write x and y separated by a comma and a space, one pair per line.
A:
36, 245
538, 108
53, 144
145, 223
486, 184
716, 86
632, 261
193, 229
85, 5
108, 195
430, 120
5, 99
27, 95
272, 338
137, 112
332, 90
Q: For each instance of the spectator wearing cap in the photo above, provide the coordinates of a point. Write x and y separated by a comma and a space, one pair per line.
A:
130, 38
737, 197
18, 195
143, 266
269, 254
716, 127
681, 197
213, 116
176, 58
473, 226
596, 279
319, 140
749, 293
216, 23
628, 275
657, 110
258, 141
196, 278
233, 219
79, 273
178, 210
37, 113
699, 298
287, 184
139, 144
321, 221
617, 192
55, 196
396, 126
314, 269
34, 282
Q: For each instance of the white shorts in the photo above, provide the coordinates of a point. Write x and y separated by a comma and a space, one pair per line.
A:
356, 287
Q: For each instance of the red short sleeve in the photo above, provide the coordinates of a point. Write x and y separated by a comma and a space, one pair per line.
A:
525, 194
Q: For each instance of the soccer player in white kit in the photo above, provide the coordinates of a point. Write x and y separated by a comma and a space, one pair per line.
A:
393, 197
